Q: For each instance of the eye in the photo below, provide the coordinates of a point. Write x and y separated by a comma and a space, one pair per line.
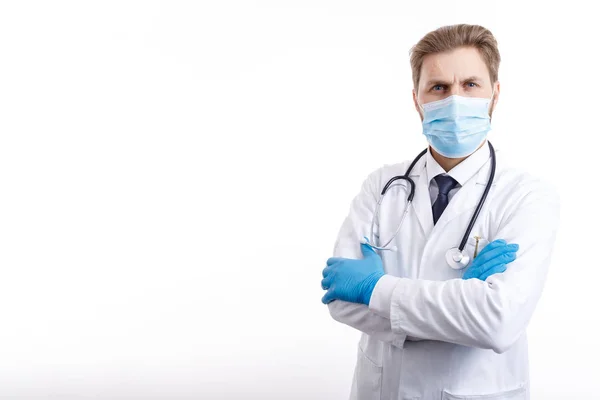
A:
437, 88
472, 84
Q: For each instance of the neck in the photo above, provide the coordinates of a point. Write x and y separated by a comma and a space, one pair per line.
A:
449, 163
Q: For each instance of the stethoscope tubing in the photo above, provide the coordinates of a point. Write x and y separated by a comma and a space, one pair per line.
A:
411, 194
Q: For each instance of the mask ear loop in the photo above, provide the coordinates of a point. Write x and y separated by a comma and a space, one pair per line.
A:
491, 102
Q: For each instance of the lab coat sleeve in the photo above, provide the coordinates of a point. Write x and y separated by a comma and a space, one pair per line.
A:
356, 225
489, 314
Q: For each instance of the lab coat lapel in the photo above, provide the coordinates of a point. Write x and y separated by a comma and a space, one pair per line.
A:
422, 200
467, 197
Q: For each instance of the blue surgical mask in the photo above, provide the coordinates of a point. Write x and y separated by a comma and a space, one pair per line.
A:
456, 126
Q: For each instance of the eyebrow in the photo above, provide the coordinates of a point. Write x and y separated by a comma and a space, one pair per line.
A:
472, 79
434, 82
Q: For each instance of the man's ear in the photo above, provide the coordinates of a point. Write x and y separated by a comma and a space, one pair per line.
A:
496, 94
414, 93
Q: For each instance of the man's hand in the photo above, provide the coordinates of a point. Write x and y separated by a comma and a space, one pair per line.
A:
492, 260
352, 280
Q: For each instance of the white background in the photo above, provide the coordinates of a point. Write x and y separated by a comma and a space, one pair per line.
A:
173, 176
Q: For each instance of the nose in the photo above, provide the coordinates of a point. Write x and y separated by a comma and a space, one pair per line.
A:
455, 89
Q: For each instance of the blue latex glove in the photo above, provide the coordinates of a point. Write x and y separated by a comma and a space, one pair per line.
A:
352, 280
492, 260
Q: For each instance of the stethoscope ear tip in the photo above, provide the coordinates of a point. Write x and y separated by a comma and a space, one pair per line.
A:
365, 241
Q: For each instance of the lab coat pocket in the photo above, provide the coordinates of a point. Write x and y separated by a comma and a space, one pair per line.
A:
367, 378
475, 244
514, 394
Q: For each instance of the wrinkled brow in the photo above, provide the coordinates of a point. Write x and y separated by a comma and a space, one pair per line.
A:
436, 81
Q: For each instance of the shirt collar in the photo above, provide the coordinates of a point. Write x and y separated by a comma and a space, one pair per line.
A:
463, 171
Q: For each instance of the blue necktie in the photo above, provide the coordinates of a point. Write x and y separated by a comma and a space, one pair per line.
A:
445, 184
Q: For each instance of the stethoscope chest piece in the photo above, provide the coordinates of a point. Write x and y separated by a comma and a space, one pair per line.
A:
457, 259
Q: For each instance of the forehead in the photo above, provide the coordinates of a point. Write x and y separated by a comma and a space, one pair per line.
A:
456, 64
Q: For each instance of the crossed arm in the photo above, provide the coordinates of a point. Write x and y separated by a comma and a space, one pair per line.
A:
489, 314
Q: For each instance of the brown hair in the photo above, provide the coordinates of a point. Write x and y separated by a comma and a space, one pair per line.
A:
451, 37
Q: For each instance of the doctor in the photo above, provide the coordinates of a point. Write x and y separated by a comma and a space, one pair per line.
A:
430, 331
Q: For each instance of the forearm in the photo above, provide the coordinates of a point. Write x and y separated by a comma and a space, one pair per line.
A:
489, 314
465, 312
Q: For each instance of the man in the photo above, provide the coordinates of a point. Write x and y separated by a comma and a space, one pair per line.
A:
431, 331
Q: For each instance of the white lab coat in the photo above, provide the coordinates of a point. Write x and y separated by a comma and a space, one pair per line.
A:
444, 337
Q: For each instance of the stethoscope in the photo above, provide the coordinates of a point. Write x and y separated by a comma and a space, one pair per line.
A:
456, 257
